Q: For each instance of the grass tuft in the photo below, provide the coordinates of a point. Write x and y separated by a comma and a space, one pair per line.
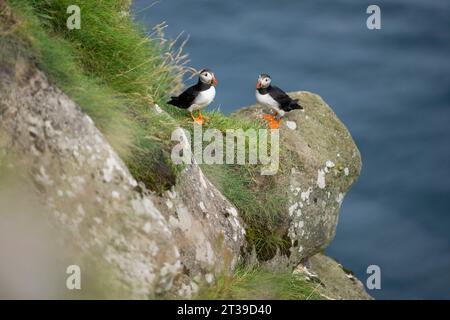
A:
261, 204
257, 283
117, 50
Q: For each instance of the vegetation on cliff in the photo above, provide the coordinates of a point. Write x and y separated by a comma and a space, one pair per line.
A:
113, 70
249, 283
116, 72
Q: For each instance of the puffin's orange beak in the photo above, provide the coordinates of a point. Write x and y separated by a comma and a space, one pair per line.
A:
214, 81
258, 85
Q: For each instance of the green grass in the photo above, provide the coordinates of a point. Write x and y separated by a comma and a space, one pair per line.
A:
215, 119
114, 48
261, 204
257, 283
115, 72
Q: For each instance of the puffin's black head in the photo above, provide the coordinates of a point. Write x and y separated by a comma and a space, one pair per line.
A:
207, 76
263, 81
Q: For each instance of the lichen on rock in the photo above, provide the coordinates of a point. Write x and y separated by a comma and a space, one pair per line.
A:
335, 283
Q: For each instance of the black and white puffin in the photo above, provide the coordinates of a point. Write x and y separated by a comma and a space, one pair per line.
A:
274, 98
199, 96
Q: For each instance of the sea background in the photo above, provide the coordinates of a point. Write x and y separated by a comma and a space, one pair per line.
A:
391, 87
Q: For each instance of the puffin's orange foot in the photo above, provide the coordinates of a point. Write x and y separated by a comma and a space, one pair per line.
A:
200, 119
268, 117
274, 124
204, 118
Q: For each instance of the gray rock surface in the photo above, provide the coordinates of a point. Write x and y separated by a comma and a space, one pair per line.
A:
333, 281
322, 164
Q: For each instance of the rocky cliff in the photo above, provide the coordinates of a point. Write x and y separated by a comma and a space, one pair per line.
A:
149, 245
148, 241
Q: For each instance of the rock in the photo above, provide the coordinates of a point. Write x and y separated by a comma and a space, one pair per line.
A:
151, 244
205, 226
322, 164
335, 282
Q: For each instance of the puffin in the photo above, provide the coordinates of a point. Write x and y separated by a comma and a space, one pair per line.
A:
275, 99
198, 96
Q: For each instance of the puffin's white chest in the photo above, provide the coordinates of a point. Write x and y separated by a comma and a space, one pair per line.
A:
266, 100
203, 99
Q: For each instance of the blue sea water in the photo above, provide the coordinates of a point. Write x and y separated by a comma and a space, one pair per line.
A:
391, 87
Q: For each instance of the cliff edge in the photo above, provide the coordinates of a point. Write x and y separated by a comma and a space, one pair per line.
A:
141, 242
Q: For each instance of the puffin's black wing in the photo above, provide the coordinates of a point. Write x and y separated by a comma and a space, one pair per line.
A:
185, 99
286, 102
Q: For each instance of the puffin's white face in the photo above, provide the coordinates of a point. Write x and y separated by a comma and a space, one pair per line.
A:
207, 76
263, 81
